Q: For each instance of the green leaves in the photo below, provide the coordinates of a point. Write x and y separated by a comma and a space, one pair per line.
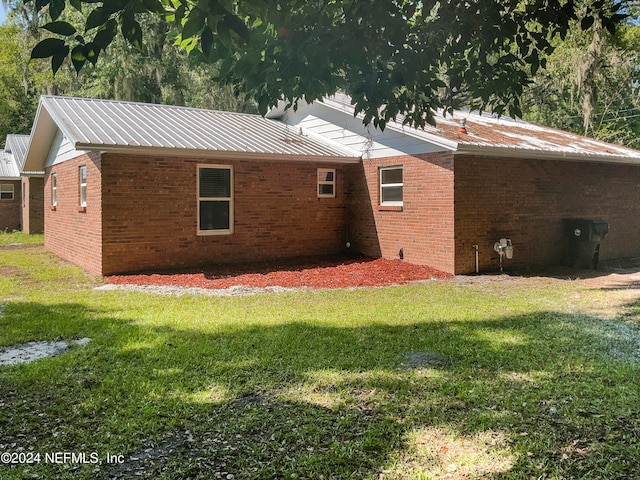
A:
194, 25
394, 58
61, 28
47, 48
98, 16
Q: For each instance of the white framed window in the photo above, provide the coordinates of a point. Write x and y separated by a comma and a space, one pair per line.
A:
83, 185
326, 183
215, 200
6, 191
391, 185
54, 189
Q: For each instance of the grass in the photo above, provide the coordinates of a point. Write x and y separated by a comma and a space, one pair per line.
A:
19, 238
532, 379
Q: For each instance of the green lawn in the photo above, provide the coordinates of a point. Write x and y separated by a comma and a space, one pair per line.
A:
524, 379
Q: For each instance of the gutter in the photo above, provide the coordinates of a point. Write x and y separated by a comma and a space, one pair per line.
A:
215, 154
502, 152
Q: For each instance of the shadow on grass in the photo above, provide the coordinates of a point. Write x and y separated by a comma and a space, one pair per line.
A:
518, 397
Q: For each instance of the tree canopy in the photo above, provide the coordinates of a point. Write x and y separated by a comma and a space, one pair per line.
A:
394, 57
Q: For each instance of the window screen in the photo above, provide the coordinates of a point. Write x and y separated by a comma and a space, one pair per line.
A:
326, 182
6, 192
215, 200
391, 186
83, 186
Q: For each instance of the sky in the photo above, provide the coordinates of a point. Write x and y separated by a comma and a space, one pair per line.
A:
2, 14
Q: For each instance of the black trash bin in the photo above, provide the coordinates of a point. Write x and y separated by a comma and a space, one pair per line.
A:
583, 237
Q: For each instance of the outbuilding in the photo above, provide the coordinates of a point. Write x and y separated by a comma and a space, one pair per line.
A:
10, 190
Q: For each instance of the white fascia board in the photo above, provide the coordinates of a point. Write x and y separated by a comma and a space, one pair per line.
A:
215, 154
43, 133
59, 121
489, 151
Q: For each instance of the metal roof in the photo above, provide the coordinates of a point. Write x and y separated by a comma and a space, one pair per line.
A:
488, 134
17, 145
108, 125
8, 167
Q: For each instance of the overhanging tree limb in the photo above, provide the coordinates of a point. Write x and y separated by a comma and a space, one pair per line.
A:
395, 58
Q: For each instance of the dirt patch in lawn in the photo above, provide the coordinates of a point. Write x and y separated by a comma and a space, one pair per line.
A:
309, 272
29, 352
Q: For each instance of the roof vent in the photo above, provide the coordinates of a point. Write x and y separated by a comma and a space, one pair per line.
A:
462, 128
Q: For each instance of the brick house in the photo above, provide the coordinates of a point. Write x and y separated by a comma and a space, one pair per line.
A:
22, 192
32, 186
10, 191
474, 179
131, 187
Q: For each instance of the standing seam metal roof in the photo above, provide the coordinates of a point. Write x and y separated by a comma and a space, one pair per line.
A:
17, 145
92, 123
8, 168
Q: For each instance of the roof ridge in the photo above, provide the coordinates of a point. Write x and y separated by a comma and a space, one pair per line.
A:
148, 104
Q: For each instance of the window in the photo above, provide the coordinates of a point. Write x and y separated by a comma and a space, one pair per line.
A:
391, 186
6, 192
83, 186
54, 189
215, 200
326, 183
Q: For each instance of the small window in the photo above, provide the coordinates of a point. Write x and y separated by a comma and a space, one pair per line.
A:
391, 186
6, 192
54, 189
215, 200
326, 183
83, 186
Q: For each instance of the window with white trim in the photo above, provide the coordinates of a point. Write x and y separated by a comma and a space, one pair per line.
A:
391, 185
6, 191
215, 200
83, 186
54, 189
326, 183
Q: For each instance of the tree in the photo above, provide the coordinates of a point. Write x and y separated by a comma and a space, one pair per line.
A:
17, 101
394, 57
591, 85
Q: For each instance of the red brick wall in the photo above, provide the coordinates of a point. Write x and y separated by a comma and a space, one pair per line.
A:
423, 228
526, 200
150, 213
73, 233
10, 209
33, 205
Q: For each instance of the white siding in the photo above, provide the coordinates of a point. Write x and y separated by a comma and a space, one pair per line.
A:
61, 150
344, 129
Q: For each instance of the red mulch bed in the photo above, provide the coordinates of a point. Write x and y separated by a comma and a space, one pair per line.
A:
318, 272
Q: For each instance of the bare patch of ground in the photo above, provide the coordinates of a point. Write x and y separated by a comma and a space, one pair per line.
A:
29, 352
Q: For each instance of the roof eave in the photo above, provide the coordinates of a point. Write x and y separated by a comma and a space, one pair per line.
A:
485, 150
217, 154
439, 141
42, 134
